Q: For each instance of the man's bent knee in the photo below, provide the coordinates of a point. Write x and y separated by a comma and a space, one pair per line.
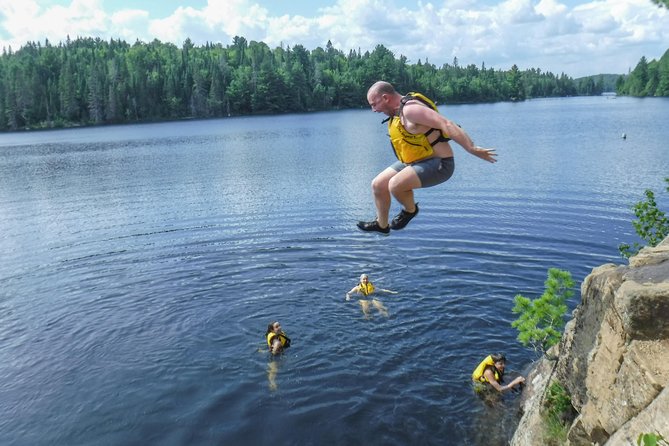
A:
380, 183
397, 186
379, 186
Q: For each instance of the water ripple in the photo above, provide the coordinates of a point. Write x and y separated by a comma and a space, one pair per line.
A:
140, 271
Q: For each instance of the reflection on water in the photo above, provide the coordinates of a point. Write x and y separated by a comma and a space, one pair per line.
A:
142, 264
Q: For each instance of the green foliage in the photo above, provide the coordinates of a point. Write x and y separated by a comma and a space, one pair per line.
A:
651, 440
598, 84
557, 400
556, 414
541, 320
647, 78
664, 3
652, 225
92, 81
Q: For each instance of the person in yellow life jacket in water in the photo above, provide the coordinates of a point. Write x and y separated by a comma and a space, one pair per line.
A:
420, 138
366, 288
277, 341
491, 371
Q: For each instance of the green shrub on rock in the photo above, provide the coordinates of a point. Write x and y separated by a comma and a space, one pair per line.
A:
651, 440
541, 320
652, 225
558, 413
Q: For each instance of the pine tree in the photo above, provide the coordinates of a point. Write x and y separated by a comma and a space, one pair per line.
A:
541, 320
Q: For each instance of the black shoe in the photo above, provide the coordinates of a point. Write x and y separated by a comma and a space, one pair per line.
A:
402, 219
373, 226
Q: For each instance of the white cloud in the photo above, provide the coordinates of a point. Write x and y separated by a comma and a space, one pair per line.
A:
289, 29
517, 12
26, 21
176, 27
129, 18
124, 22
353, 24
595, 19
549, 8
595, 36
219, 21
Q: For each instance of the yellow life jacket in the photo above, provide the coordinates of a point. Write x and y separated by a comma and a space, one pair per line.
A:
478, 372
367, 289
411, 147
285, 340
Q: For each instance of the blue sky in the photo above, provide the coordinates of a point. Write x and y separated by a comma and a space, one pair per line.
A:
577, 37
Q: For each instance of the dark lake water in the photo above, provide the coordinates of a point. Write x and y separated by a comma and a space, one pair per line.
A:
141, 265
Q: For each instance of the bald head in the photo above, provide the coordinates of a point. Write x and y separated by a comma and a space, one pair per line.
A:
381, 87
383, 98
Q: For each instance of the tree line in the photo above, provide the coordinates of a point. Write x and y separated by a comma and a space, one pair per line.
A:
647, 78
92, 81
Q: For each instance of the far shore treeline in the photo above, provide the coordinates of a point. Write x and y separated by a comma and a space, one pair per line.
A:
91, 81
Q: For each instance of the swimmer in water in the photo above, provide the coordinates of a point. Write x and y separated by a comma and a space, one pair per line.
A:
366, 288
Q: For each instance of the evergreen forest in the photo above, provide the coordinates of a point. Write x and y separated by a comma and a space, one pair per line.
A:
89, 81
647, 78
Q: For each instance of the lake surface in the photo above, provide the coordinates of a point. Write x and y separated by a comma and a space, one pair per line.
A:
141, 265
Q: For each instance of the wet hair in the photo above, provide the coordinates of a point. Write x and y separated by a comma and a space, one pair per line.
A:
498, 357
270, 327
363, 276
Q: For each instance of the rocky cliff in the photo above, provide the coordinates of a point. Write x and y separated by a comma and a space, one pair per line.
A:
613, 358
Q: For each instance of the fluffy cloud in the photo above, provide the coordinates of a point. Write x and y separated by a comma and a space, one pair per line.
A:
595, 36
26, 21
125, 22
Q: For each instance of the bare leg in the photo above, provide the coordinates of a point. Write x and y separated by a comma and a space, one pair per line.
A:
364, 304
272, 370
379, 306
402, 186
381, 193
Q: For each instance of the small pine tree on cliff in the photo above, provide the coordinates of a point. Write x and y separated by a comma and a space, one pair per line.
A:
652, 224
541, 320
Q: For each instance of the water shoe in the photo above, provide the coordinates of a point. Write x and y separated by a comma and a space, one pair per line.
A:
402, 219
370, 226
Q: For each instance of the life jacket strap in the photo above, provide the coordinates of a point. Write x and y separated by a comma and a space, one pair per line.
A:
439, 139
409, 97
